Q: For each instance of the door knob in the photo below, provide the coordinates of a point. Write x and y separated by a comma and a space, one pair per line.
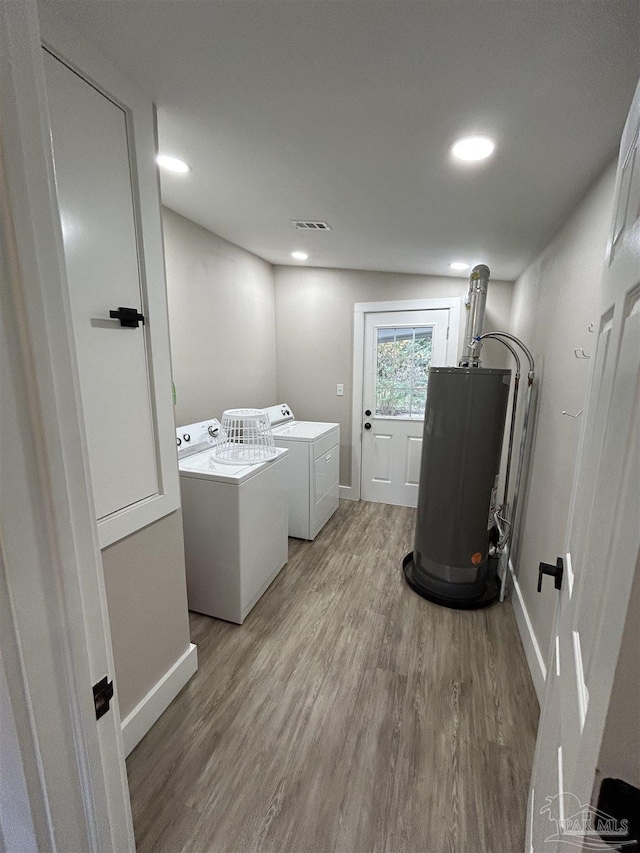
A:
367, 426
556, 572
368, 413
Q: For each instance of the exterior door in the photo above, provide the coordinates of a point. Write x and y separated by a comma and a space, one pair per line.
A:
602, 545
400, 346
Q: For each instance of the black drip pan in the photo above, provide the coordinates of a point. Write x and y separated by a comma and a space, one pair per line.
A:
489, 596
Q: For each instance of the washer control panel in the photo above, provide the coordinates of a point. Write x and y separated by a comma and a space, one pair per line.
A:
193, 438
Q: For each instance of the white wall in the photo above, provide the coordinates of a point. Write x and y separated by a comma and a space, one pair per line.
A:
554, 301
314, 322
221, 318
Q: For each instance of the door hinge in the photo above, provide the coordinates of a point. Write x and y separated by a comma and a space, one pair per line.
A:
102, 696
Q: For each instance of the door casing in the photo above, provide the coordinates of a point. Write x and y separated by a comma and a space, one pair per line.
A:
54, 602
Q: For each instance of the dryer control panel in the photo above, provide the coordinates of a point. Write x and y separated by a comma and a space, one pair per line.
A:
279, 414
193, 438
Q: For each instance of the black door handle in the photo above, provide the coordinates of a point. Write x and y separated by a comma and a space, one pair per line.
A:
129, 317
556, 572
367, 426
368, 413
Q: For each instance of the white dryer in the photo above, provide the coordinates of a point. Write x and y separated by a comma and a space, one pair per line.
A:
314, 468
235, 524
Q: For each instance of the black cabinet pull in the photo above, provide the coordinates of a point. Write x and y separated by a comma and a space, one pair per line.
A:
556, 572
129, 317
367, 426
368, 413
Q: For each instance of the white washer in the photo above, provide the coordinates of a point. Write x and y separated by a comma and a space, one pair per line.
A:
235, 524
314, 468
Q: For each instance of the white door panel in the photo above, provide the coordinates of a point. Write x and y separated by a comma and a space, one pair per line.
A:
399, 348
603, 539
413, 460
580, 518
93, 180
381, 458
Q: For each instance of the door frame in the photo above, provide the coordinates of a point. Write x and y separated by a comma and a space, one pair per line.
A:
360, 310
69, 769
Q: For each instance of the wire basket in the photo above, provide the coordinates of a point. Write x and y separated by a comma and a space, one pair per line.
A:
246, 437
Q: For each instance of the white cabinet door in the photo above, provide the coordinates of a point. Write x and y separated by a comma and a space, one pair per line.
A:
400, 346
103, 136
93, 179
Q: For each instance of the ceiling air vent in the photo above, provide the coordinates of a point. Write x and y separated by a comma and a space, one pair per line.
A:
311, 225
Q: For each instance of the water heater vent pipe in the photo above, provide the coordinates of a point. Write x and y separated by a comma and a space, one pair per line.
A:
477, 301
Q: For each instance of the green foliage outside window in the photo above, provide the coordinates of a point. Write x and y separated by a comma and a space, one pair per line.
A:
402, 364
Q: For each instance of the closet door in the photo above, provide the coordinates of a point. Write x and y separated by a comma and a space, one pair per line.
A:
123, 369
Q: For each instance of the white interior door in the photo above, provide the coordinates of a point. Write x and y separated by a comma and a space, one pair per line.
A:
400, 346
602, 544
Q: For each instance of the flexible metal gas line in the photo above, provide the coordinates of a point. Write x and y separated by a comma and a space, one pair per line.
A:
514, 353
503, 337
517, 341
523, 449
514, 405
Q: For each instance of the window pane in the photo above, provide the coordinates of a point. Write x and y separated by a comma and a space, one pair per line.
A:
403, 356
418, 403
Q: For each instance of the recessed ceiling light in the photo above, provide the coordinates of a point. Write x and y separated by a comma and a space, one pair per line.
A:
173, 164
473, 148
459, 265
299, 256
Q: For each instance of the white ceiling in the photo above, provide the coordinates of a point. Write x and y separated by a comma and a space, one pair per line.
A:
344, 110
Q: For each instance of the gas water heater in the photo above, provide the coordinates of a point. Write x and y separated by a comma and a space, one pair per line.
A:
464, 425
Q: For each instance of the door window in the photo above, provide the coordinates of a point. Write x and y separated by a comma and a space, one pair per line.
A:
403, 357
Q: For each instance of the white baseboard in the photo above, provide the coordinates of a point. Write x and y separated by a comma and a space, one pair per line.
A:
348, 493
144, 715
535, 658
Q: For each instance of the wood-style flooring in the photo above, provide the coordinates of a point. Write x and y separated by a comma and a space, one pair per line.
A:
347, 714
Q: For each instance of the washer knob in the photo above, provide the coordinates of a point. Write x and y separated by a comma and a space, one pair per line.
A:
186, 436
178, 441
213, 431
